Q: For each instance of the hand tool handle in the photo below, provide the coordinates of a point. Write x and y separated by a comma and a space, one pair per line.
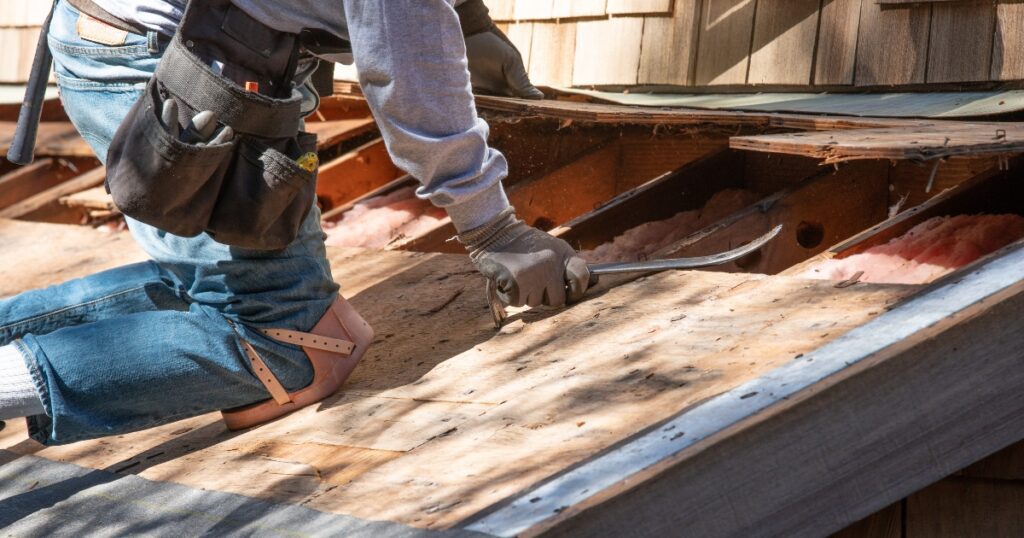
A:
22, 149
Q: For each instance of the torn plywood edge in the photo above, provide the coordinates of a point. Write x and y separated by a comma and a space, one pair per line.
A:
897, 143
445, 417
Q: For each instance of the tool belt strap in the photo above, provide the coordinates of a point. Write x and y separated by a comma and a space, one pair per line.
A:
333, 345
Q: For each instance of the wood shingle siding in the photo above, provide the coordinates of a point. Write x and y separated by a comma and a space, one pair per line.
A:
798, 44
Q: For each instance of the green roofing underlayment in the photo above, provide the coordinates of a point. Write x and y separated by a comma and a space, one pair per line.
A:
911, 105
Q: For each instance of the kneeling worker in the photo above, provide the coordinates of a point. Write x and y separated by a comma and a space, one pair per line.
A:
196, 112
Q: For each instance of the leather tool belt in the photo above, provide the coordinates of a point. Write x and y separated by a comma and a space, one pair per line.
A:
334, 346
249, 192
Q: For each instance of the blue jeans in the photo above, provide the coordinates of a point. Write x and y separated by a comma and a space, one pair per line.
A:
158, 341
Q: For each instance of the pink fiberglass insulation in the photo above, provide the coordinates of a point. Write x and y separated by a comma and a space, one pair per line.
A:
929, 250
639, 242
376, 222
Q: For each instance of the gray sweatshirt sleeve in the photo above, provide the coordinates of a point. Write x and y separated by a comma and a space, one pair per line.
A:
412, 66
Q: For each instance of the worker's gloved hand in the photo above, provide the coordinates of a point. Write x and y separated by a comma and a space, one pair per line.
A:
201, 129
495, 65
527, 266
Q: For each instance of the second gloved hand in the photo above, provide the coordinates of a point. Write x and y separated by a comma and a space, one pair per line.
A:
528, 266
495, 65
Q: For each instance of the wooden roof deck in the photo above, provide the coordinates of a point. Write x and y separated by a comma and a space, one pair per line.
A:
703, 403
446, 419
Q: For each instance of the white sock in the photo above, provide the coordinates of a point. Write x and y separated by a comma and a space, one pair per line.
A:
18, 396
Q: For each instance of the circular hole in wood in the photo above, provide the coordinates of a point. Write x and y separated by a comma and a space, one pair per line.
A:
810, 234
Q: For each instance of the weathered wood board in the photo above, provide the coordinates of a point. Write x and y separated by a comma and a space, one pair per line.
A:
510, 407
613, 51
960, 43
612, 113
914, 143
893, 45
723, 48
837, 42
669, 51
782, 51
1008, 48
551, 55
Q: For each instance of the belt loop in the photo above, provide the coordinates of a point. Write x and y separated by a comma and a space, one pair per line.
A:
153, 41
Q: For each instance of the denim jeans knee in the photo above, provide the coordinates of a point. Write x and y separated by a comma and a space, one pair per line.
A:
152, 343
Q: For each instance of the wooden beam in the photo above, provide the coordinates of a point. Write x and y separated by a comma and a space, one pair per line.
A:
826, 440
333, 132
39, 176
54, 139
399, 183
988, 191
51, 196
346, 178
863, 189
660, 198
898, 143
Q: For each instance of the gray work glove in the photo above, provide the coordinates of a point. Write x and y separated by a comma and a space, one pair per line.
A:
527, 266
495, 65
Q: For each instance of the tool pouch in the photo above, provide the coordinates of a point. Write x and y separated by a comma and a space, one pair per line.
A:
249, 192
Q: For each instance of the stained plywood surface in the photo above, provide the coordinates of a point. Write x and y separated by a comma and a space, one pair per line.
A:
469, 416
52, 253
